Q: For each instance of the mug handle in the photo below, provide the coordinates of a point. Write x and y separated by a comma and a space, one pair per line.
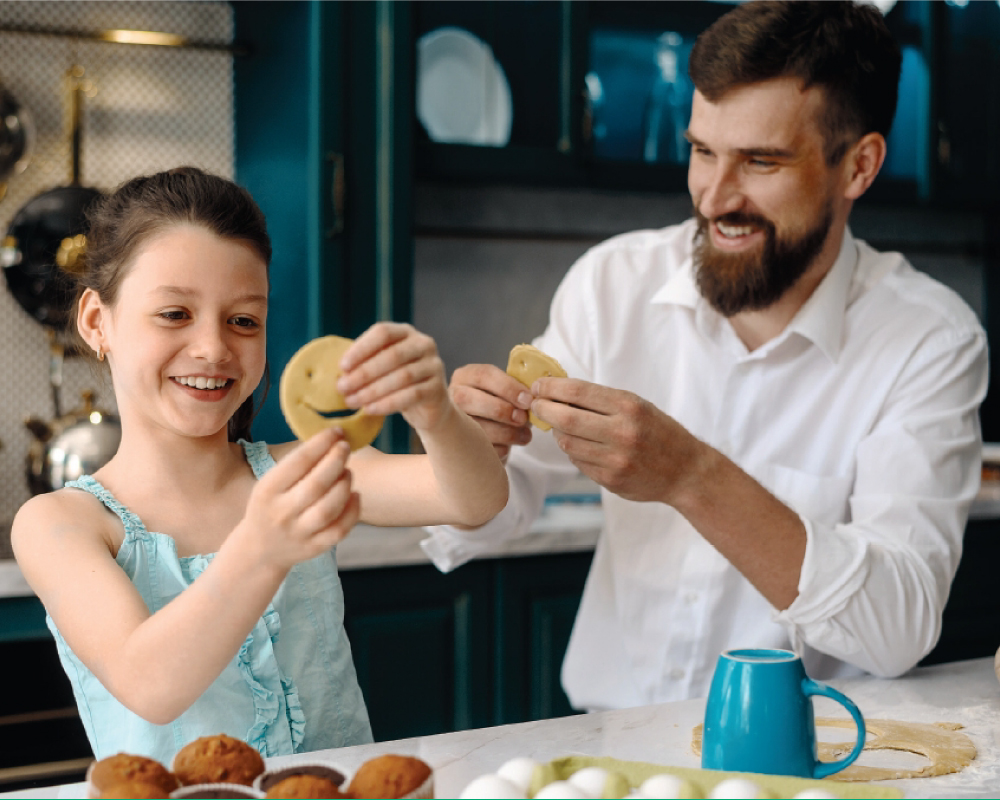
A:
825, 768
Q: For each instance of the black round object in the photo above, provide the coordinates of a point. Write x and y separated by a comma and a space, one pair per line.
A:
15, 134
29, 253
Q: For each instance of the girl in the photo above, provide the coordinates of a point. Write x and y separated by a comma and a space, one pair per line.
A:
169, 574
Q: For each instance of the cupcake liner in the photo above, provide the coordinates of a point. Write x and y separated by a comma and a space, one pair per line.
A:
213, 790
269, 777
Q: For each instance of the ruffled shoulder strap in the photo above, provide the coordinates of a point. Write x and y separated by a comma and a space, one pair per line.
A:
133, 525
258, 457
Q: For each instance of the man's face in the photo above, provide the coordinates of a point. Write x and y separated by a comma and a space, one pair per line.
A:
764, 197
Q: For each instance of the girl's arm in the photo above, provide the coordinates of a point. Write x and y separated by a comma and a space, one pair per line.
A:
460, 480
158, 664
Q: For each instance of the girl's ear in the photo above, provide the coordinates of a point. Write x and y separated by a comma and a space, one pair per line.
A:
862, 164
90, 321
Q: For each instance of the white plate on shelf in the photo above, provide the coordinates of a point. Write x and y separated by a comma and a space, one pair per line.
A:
463, 96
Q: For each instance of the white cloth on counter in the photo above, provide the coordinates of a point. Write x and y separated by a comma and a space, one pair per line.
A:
862, 416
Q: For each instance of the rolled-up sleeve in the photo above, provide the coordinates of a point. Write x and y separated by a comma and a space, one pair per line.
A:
872, 590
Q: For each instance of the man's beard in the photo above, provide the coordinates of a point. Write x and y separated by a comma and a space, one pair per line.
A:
751, 281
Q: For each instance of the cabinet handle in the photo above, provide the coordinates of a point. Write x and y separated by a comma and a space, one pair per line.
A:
337, 193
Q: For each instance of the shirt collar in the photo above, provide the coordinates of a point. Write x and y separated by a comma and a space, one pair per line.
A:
821, 318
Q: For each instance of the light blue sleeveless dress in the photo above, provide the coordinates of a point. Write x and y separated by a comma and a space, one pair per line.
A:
291, 688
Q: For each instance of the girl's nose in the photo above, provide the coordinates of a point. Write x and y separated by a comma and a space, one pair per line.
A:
210, 344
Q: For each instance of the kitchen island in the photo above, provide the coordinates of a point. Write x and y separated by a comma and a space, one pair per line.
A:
965, 692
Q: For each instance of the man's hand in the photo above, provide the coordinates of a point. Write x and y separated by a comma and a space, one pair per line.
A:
496, 401
617, 439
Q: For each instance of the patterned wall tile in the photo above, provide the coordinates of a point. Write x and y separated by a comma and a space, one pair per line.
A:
147, 109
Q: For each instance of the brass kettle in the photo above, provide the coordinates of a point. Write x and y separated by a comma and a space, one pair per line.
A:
76, 443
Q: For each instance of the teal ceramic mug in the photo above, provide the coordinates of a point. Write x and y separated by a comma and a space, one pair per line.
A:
759, 716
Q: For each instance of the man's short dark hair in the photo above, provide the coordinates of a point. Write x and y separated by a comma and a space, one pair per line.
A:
843, 47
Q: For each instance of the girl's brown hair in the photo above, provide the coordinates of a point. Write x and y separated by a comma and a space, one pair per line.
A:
121, 223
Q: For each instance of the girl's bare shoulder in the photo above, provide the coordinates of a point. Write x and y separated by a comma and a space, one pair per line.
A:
55, 517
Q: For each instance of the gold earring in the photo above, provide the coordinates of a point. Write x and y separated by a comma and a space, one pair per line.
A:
100, 352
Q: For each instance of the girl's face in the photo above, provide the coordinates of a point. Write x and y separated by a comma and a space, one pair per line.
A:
186, 338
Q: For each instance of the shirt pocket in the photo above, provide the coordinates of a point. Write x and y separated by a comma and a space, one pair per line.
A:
822, 498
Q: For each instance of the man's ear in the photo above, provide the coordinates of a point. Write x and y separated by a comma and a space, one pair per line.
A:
90, 320
862, 163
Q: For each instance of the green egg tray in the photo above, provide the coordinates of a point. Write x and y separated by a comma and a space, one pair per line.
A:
635, 772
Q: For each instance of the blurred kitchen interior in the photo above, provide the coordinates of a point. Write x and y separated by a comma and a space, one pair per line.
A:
442, 162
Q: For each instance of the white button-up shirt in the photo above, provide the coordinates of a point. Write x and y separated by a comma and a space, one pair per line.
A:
862, 416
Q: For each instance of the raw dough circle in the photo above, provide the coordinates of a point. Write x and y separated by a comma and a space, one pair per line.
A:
308, 390
527, 364
948, 750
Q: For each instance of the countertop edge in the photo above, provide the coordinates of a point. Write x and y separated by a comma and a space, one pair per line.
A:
562, 528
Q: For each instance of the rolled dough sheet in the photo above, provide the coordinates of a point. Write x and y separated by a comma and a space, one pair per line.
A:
941, 743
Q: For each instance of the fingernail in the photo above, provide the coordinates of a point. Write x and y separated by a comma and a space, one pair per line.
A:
524, 400
519, 417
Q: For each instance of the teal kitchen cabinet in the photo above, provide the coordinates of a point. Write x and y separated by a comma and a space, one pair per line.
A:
535, 604
323, 116
479, 646
421, 645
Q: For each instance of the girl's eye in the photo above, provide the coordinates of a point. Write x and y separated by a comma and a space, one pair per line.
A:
244, 322
173, 314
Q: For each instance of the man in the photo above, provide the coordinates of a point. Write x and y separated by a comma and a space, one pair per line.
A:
783, 421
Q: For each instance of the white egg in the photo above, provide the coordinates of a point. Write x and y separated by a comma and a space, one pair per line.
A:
560, 790
814, 794
736, 789
518, 771
590, 780
668, 786
492, 786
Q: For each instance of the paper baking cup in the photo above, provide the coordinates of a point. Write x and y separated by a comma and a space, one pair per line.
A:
213, 790
268, 778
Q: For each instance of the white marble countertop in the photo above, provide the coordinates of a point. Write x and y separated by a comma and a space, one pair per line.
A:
964, 692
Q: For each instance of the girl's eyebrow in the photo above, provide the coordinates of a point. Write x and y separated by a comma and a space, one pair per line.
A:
183, 291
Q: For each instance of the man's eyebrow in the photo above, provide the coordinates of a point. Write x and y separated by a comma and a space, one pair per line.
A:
183, 291
750, 152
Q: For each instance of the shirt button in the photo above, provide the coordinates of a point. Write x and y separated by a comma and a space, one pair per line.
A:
676, 673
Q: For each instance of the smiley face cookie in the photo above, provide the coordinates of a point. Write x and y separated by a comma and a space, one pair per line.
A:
527, 364
308, 392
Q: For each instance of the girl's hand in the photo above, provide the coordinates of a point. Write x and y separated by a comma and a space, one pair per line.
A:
394, 368
304, 505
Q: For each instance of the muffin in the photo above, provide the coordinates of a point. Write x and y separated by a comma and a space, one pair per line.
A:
123, 767
266, 781
305, 786
217, 759
136, 789
392, 776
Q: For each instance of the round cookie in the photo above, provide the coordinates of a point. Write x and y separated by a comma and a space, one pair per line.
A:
308, 390
527, 364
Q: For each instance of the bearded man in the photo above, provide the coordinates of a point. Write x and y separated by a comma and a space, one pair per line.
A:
783, 421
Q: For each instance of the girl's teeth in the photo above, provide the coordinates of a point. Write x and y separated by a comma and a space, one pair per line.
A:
203, 383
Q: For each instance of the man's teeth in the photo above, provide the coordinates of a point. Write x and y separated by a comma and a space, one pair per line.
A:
203, 383
732, 231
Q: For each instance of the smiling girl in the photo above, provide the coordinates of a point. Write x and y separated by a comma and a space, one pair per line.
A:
191, 583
